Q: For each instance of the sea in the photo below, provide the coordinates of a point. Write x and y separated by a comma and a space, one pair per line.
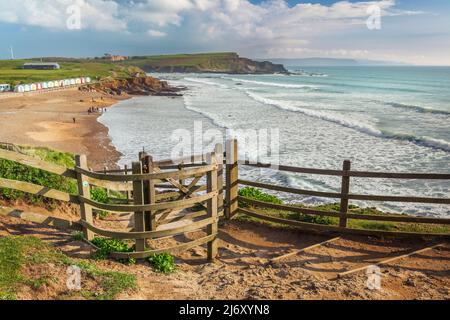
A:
388, 119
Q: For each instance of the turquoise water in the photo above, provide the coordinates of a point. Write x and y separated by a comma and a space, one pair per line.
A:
382, 118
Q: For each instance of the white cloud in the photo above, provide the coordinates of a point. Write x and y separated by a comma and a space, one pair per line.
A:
156, 33
52, 14
265, 29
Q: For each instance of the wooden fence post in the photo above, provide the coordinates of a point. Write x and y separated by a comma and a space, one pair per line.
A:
218, 150
212, 205
128, 191
232, 175
345, 190
149, 194
105, 171
138, 197
84, 190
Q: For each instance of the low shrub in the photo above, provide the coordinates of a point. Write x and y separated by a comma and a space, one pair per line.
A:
106, 246
163, 262
256, 194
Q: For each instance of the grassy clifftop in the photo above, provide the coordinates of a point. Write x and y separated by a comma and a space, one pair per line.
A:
222, 62
11, 70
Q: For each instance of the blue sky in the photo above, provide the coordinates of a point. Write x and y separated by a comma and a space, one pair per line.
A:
413, 31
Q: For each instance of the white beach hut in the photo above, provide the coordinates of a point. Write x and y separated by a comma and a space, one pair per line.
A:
88, 80
67, 82
33, 87
27, 88
44, 85
51, 84
39, 86
20, 89
78, 80
73, 82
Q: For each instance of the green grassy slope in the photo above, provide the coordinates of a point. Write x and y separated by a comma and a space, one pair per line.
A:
12, 73
226, 62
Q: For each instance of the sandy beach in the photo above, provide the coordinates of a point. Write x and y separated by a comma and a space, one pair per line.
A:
47, 120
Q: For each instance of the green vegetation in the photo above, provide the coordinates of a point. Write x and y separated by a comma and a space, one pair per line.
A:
18, 254
202, 61
11, 70
106, 246
14, 171
256, 194
163, 262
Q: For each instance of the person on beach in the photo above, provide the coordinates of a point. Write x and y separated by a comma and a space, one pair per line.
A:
74, 120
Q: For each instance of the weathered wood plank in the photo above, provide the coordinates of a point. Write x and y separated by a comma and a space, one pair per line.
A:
232, 176
84, 190
337, 229
175, 249
40, 219
38, 190
37, 163
175, 205
212, 207
141, 235
184, 174
399, 199
289, 190
345, 190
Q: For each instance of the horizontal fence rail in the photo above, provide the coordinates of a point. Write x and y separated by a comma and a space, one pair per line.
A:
345, 195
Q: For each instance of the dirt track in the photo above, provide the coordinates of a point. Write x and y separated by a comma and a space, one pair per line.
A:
243, 269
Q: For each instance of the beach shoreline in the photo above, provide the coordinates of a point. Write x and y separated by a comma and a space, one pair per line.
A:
60, 121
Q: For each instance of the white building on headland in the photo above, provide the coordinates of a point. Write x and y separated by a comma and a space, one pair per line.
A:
42, 65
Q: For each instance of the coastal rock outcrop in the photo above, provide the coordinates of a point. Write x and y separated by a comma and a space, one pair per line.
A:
134, 86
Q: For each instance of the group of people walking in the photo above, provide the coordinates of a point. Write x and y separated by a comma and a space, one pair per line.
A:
96, 110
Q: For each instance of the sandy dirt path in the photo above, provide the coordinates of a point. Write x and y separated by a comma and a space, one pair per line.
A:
243, 269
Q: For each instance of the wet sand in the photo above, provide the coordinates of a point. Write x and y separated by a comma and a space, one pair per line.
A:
46, 120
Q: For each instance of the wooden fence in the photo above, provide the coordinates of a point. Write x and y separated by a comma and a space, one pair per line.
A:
217, 197
232, 197
151, 210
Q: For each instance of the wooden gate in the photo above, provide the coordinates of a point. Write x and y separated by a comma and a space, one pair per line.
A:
150, 210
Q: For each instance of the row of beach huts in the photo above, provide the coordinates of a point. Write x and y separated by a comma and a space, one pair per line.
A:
22, 88
51, 84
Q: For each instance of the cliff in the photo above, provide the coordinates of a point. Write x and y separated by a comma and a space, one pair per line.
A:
205, 63
135, 86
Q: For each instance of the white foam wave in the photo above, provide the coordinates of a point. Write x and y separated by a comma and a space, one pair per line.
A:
354, 124
287, 105
203, 81
188, 105
274, 84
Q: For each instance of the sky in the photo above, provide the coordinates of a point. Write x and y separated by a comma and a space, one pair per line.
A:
409, 31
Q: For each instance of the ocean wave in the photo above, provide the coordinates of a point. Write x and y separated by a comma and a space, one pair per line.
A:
354, 124
214, 120
417, 108
210, 83
274, 84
